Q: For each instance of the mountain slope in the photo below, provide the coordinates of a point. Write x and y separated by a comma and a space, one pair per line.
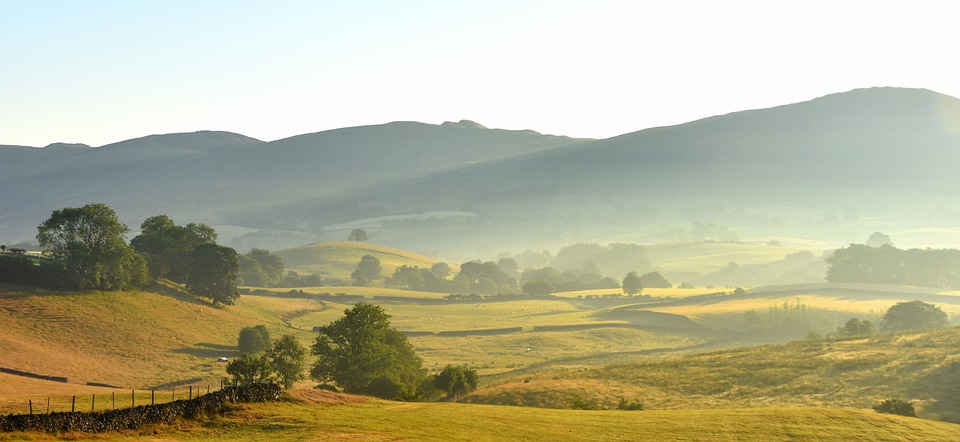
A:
210, 176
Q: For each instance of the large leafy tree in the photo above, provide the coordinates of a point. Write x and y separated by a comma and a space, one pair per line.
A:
88, 242
286, 360
913, 315
168, 246
271, 266
363, 354
632, 284
214, 273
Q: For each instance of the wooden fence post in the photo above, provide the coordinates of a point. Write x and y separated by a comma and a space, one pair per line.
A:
93, 402
113, 395
173, 396
190, 396
73, 405
48, 404
31, 406
133, 398
152, 392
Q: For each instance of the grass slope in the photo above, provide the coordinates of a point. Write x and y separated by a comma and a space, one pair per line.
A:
339, 259
923, 367
144, 339
328, 417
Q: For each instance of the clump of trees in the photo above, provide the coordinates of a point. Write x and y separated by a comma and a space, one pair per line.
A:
546, 280
87, 245
455, 381
368, 270
888, 265
168, 247
260, 269
357, 235
214, 273
253, 340
913, 315
896, 406
283, 361
856, 327
363, 354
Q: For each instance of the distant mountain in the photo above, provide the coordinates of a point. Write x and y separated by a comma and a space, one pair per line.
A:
823, 172
863, 155
226, 178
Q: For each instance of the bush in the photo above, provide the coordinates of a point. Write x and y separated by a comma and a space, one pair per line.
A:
896, 406
634, 405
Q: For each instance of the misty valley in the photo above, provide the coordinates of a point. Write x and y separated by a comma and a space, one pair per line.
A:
786, 273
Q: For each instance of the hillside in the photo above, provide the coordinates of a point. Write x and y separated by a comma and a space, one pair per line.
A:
221, 178
857, 373
338, 259
158, 337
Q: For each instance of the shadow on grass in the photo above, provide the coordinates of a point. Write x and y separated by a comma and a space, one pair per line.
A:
170, 289
208, 350
942, 385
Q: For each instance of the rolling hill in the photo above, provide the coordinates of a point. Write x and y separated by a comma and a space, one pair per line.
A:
339, 259
821, 173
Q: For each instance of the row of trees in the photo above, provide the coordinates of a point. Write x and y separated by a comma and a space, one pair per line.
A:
360, 353
86, 249
889, 265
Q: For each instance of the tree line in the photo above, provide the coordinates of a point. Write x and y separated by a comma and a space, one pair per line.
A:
85, 249
887, 264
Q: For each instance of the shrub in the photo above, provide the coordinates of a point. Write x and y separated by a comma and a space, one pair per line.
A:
896, 406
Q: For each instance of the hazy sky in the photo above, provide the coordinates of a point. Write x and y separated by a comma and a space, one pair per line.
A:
98, 72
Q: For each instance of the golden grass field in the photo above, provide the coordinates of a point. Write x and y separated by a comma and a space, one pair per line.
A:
164, 338
322, 416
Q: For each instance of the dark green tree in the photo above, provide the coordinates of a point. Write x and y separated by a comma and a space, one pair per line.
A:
631, 284
168, 246
271, 265
368, 270
913, 315
357, 235
88, 243
363, 354
251, 273
214, 273
248, 369
286, 360
456, 381
253, 340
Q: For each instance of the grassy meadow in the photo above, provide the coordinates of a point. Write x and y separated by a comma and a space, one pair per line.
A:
322, 416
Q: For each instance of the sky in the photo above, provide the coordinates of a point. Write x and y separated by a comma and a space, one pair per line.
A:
99, 71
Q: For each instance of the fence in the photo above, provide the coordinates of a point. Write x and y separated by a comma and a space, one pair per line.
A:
98, 402
140, 415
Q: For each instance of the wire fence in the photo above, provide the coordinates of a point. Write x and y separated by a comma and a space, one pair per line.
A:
104, 401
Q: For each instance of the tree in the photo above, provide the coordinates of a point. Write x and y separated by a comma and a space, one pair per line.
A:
913, 315
856, 327
253, 340
88, 243
272, 265
441, 269
368, 269
631, 284
286, 360
357, 235
214, 273
878, 239
248, 369
363, 354
168, 246
456, 381
654, 280
896, 406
